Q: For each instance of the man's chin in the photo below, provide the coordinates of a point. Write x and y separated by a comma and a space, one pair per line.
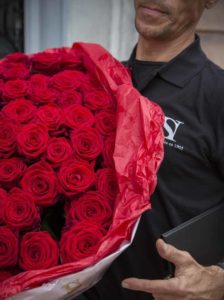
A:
150, 32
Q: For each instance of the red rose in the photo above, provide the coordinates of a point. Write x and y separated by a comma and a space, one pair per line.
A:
38, 251
11, 170
89, 85
68, 98
77, 116
3, 198
58, 151
107, 183
98, 100
66, 80
15, 89
17, 57
43, 96
47, 63
8, 133
19, 110
39, 80
70, 61
92, 206
11, 71
108, 151
86, 143
76, 177
51, 116
80, 241
32, 140
40, 182
8, 248
105, 122
20, 211
40, 91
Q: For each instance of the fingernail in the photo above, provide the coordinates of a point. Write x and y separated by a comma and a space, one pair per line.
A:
125, 285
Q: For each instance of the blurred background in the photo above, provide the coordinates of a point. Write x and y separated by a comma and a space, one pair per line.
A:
34, 25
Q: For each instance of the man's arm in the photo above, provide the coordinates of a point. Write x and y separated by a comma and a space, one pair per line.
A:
192, 281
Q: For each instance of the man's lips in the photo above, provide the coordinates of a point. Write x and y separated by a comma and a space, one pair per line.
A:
152, 10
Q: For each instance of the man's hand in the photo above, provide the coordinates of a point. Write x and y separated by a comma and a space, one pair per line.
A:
191, 282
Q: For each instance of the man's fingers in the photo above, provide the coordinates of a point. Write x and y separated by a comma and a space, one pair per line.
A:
151, 286
170, 286
173, 255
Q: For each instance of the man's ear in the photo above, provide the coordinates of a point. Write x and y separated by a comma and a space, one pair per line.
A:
210, 3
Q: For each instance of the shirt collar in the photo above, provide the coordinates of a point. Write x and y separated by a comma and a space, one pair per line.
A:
181, 69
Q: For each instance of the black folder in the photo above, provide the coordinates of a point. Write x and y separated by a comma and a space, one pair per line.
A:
201, 236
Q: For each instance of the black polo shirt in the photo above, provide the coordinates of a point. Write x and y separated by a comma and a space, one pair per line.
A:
190, 90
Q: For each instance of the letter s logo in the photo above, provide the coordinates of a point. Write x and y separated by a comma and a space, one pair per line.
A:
171, 127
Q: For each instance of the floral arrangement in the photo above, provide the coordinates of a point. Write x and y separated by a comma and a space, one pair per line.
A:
62, 193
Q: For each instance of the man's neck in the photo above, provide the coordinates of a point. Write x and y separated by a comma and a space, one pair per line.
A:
162, 50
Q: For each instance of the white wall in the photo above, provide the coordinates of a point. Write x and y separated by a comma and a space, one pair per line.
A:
54, 23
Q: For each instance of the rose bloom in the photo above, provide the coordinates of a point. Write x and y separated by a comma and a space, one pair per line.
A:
8, 248
11, 71
58, 151
32, 140
39, 80
92, 206
40, 182
98, 100
90, 85
75, 177
80, 241
87, 143
105, 122
11, 170
20, 110
8, 133
38, 251
107, 183
15, 89
108, 151
43, 95
66, 80
20, 211
3, 198
70, 61
47, 63
51, 116
77, 116
17, 57
68, 98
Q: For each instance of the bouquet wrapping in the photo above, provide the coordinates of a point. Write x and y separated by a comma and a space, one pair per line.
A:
79, 152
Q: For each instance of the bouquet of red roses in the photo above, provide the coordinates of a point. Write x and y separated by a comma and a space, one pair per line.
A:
79, 152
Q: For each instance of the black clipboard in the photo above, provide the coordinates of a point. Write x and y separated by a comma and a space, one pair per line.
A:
201, 236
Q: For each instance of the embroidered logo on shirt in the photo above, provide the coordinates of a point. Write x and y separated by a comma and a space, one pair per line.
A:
170, 130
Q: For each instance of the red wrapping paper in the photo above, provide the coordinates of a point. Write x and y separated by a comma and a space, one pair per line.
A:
137, 156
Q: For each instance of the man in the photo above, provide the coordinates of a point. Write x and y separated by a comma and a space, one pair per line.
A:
169, 67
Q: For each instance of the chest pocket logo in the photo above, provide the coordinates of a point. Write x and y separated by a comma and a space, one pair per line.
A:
170, 128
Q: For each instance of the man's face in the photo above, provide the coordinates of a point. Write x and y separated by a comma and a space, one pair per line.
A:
167, 19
